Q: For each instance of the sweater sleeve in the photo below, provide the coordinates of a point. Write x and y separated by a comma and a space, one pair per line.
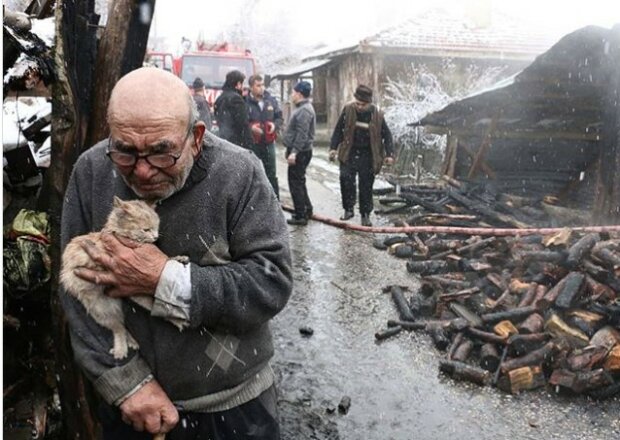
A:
91, 343
256, 284
338, 134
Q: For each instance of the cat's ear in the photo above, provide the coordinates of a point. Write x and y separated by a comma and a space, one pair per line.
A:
117, 202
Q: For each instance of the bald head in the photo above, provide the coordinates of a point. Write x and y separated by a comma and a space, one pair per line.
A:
149, 94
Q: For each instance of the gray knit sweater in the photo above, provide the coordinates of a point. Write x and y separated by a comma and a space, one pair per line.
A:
229, 223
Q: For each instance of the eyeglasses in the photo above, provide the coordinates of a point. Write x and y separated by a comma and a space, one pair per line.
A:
156, 160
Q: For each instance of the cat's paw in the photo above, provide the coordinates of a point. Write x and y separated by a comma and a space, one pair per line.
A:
132, 343
119, 351
181, 259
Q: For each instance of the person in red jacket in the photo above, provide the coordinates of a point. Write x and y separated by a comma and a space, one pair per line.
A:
265, 119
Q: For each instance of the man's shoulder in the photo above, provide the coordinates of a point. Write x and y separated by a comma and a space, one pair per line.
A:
224, 153
95, 156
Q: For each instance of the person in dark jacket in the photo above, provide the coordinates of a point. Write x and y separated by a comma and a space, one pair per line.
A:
265, 122
298, 140
204, 112
231, 113
216, 207
362, 142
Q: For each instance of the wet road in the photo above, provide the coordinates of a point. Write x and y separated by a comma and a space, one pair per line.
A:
394, 386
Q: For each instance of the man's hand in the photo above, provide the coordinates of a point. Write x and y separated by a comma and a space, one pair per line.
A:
292, 159
257, 130
332, 155
271, 127
389, 161
129, 268
150, 409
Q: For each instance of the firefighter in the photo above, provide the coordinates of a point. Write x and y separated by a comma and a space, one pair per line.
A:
265, 119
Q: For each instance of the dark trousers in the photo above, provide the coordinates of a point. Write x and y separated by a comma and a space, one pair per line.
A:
256, 420
297, 184
357, 165
267, 155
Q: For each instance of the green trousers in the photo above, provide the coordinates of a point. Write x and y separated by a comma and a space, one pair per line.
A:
267, 155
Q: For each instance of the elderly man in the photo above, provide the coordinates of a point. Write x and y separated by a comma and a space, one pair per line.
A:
362, 142
216, 207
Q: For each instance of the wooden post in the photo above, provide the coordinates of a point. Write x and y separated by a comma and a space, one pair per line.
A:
607, 207
121, 50
484, 146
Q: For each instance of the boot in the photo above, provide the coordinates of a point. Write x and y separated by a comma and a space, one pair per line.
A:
297, 221
366, 220
347, 215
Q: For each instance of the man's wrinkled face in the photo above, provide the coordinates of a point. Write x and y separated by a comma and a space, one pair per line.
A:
155, 139
361, 106
258, 89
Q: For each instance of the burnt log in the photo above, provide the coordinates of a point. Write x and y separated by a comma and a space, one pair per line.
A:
512, 315
447, 282
527, 298
463, 312
421, 306
606, 337
462, 352
429, 267
587, 322
439, 336
571, 292
462, 371
456, 341
598, 291
586, 358
527, 257
407, 325
559, 329
485, 211
478, 303
580, 249
505, 329
612, 361
387, 333
606, 256
532, 324
582, 381
536, 357
460, 294
489, 357
401, 304
520, 379
602, 275
485, 336
429, 206
520, 345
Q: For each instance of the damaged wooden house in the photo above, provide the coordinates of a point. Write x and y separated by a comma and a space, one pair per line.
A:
549, 133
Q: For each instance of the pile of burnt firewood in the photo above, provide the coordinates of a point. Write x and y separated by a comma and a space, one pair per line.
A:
465, 204
518, 313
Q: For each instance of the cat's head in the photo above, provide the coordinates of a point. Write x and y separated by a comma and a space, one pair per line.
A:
135, 220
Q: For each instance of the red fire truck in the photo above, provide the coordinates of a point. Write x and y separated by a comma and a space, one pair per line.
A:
210, 63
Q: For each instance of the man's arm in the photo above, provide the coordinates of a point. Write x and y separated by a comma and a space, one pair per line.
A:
278, 118
388, 142
338, 134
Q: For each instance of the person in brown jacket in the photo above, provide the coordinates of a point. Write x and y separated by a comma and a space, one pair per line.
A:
363, 143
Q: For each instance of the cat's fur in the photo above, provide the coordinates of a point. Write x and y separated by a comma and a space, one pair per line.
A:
135, 220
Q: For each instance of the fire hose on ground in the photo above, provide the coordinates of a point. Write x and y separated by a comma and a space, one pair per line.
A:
454, 229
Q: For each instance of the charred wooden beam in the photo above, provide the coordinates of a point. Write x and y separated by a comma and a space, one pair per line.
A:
582, 381
429, 267
401, 304
463, 371
558, 328
512, 315
489, 357
464, 312
532, 324
485, 210
439, 336
571, 291
586, 358
528, 296
520, 345
457, 295
580, 249
521, 379
462, 352
599, 291
587, 322
456, 341
536, 357
481, 335
387, 333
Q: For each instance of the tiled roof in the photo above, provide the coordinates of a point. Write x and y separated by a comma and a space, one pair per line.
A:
438, 30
